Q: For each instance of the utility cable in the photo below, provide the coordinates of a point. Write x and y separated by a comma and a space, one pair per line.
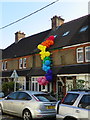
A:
28, 15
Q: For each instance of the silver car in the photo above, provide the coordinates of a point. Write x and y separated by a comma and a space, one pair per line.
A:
29, 105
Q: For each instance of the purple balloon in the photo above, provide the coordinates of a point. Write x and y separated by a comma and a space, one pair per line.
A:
49, 78
49, 71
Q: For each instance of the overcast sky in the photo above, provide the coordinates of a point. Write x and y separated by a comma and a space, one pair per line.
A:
13, 10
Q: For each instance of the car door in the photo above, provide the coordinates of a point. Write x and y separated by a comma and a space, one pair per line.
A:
20, 103
83, 109
66, 107
8, 102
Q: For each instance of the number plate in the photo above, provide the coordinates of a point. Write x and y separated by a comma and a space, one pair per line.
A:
50, 107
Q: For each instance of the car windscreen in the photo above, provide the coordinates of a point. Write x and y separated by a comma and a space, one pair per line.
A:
45, 98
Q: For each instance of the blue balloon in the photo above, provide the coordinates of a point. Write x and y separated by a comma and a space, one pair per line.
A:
45, 68
47, 62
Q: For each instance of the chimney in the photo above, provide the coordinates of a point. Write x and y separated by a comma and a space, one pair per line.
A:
19, 35
56, 21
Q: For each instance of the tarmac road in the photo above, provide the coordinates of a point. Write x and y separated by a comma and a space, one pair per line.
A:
9, 117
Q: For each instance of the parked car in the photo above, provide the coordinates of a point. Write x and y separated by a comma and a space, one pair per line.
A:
74, 106
29, 105
1, 94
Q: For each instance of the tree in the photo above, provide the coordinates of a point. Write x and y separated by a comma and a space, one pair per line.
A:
7, 87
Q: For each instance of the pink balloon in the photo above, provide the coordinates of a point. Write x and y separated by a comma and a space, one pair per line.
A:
42, 80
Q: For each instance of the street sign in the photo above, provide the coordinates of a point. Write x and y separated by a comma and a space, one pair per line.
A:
14, 74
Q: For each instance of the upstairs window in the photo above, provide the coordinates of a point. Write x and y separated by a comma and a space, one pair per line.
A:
87, 54
22, 63
4, 65
80, 55
84, 28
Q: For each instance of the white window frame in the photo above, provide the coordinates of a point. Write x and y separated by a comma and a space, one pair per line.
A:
87, 50
4, 65
24, 62
34, 82
80, 50
20, 63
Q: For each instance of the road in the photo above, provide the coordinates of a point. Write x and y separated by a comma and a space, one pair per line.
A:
8, 117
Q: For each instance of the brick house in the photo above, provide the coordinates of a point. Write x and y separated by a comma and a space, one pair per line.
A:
70, 56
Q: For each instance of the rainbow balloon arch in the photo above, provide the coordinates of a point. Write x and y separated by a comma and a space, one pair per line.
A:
45, 57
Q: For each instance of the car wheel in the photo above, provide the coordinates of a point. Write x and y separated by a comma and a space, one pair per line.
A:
27, 115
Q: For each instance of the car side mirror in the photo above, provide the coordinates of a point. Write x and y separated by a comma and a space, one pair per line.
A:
5, 98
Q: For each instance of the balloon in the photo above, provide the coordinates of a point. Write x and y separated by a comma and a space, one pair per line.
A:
51, 37
42, 57
47, 54
42, 81
47, 62
39, 46
49, 78
47, 58
49, 71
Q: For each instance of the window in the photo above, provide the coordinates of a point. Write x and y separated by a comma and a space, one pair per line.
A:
84, 28
85, 102
66, 33
4, 65
35, 86
24, 62
24, 96
70, 99
80, 56
12, 96
45, 98
87, 54
20, 63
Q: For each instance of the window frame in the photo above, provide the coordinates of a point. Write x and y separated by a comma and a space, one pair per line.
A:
24, 62
82, 51
86, 60
4, 65
20, 63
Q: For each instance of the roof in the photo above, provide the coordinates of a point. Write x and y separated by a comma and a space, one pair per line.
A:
23, 72
73, 35
25, 46
28, 45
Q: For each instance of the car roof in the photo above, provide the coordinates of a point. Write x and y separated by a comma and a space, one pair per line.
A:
78, 91
33, 92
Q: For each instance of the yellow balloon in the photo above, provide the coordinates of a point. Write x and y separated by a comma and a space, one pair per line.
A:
40, 47
47, 54
42, 57
43, 48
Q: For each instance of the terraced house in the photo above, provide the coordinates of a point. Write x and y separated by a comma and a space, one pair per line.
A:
70, 56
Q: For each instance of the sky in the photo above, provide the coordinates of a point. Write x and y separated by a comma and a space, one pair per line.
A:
12, 10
